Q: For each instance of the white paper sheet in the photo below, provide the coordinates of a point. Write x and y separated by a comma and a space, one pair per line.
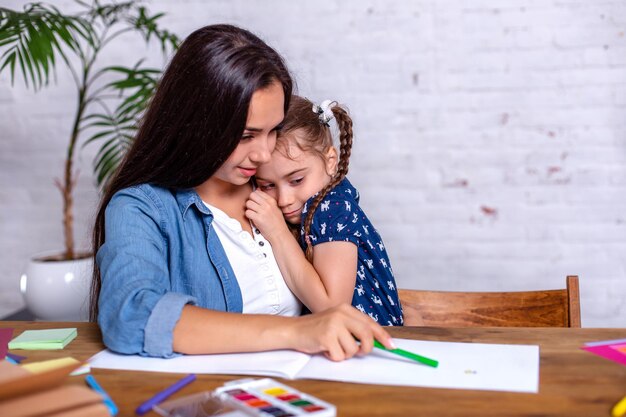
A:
461, 365
281, 363
477, 366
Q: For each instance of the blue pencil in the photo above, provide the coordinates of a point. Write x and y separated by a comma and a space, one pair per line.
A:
11, 360
108, 402
162, 395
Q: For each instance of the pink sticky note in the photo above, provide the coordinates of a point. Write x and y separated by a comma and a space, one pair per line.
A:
607, 352
5, 338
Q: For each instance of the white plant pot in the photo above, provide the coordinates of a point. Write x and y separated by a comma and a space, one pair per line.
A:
57, 290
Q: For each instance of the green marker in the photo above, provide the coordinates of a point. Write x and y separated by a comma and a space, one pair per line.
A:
410, 355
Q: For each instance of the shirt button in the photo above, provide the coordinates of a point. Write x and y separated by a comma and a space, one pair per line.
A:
260, 256
261, 243
257, 231
266, 268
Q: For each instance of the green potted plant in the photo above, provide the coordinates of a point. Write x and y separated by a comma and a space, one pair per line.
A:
110, 99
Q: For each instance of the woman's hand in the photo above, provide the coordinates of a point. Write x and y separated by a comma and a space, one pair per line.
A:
339, 332
264, 212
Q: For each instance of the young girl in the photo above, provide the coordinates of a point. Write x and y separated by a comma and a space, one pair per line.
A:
177, 261
305, 182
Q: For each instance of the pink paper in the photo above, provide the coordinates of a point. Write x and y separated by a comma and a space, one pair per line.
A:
5, 338
620, 348
607, 352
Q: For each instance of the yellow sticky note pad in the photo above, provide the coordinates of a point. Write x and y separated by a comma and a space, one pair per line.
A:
43, 366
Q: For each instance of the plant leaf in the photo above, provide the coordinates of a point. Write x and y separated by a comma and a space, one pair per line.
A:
33, 38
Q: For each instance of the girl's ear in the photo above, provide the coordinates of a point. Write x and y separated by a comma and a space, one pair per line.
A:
331, 161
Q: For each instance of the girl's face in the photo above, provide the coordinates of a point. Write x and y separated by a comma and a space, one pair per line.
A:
265, 113
292, 180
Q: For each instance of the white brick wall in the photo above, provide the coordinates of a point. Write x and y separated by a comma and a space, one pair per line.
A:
490, 144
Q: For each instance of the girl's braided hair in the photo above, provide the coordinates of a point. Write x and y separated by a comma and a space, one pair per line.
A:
311, 134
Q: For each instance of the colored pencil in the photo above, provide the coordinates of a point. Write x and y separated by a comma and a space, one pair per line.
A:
409, 355
108, 402
162, 395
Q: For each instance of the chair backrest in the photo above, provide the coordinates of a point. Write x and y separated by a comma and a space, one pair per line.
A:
546, 308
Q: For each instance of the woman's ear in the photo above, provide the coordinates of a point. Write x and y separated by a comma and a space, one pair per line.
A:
331, 161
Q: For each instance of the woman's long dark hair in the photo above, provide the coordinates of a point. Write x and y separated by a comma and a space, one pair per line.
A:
196, 117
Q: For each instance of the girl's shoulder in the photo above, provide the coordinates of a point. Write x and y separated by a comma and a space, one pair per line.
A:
344, 191
340, 199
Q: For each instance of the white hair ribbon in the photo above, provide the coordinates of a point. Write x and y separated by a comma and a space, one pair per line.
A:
324, 111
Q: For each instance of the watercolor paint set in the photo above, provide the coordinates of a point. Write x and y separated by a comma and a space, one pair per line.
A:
249, 397
267, 397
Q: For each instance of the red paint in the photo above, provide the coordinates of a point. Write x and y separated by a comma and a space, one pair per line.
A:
288, 397
312, 408
489, 211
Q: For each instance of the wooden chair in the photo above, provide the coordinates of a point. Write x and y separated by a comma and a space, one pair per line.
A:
545, 308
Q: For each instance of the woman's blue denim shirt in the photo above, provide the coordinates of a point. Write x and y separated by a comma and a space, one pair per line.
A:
160, 253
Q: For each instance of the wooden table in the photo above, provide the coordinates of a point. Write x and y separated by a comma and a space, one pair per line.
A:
572, 382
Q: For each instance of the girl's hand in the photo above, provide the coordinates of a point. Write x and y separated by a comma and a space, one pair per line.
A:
264, 212
337, 332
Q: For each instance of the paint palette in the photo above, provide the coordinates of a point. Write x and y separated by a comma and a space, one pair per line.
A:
269, 398
248, 397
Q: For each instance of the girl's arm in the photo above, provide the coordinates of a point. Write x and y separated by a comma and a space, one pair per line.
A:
336, 264
333, 332
327, 283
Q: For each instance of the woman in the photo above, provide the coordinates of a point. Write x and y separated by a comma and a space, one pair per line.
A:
176, 257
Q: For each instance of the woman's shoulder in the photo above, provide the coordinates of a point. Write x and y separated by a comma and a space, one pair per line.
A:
141, 191
156, 199
150, 197
143, 194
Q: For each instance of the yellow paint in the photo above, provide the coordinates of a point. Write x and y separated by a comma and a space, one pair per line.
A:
275, 391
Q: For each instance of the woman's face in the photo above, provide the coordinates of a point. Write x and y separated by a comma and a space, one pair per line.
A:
265, 113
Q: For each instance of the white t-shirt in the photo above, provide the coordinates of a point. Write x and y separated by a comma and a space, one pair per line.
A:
262, 285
